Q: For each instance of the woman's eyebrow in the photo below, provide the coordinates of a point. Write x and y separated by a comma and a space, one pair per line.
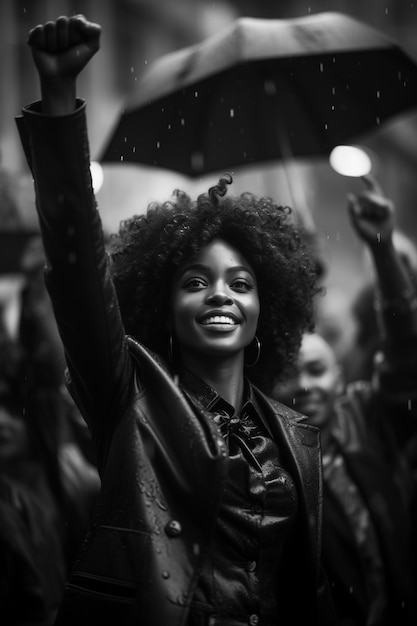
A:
194, 267
207, 268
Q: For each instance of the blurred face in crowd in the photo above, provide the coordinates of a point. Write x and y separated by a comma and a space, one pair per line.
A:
317, 383
215, 303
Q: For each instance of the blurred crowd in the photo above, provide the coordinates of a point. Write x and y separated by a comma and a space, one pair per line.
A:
48, 480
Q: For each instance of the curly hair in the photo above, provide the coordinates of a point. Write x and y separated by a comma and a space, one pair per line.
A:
149, 249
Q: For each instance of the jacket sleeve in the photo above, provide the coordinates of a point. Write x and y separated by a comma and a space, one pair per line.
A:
77, 269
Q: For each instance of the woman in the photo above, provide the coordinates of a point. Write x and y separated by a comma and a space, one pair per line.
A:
209, 510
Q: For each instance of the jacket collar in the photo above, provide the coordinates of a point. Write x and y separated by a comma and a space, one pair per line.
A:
211, 401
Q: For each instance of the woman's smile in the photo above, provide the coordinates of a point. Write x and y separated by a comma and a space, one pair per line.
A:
219, 321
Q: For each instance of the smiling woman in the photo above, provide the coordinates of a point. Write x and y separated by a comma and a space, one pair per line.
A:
155, 333
260, 249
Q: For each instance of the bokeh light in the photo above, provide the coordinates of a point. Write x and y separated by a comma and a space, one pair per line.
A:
350, 161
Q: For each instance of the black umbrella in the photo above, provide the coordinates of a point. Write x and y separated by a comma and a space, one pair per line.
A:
264, 90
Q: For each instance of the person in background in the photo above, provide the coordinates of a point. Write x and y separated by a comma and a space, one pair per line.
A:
209, 511
32, 530
358, 359
368, 429
48, 490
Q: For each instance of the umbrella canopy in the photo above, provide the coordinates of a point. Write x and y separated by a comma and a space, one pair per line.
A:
264, 90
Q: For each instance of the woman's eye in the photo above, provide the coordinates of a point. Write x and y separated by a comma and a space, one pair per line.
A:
317, 370
194, 283
241, 285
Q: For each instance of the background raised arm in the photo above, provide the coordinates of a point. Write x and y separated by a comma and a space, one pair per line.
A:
373, 218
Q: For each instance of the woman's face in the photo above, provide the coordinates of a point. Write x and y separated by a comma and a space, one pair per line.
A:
215, 303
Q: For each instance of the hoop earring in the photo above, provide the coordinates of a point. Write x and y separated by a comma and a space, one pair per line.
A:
258, 353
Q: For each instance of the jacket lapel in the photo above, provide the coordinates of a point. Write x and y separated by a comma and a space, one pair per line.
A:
300, 446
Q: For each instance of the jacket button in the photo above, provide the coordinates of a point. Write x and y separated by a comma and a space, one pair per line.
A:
173, 528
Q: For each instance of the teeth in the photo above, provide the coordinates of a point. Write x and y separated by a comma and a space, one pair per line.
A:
218, 319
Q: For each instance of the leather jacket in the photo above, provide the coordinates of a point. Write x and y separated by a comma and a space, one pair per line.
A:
161, 460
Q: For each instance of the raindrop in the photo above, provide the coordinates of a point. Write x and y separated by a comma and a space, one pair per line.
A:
182, 121
134, 149
232, 112
378, 237
132, 69
146, 61
378, 94
409, 404
321, 67
72, 257
158, 144
333, 107
196, 94
161, 505
125, 139
121, 158
169, 126
333, 91
377, 120
325, 127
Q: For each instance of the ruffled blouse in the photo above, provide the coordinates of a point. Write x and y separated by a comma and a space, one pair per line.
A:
238, 584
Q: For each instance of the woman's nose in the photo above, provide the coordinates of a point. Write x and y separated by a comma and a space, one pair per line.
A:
304, 382
219, 295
